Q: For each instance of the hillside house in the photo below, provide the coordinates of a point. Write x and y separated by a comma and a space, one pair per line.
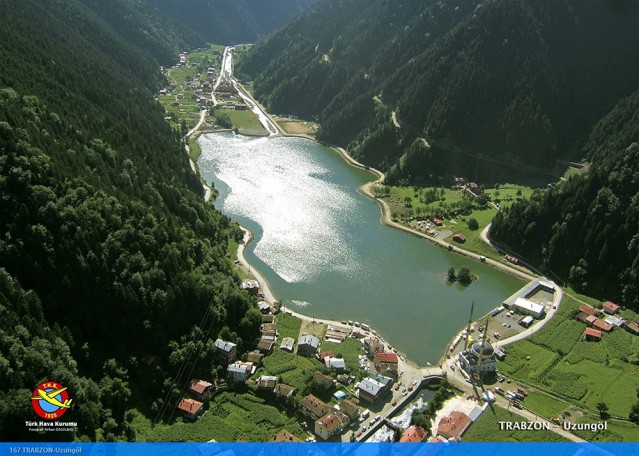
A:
190, 408
313, 407
610, 308
201, 389
308, 345
225, 351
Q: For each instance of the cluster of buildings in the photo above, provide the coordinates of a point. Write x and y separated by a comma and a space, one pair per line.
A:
604, 320
328, 421
191, 405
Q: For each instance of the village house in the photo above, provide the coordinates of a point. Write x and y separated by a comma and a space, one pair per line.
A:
252, 286
268, 318
284, 391
255, 357
592, 334
615, 321
386, 363
373, 345
632, 327
323, 355
264, 307
265, 345
337, 364
348, 408
225, 351
269, 327
459, 238
414, 434
285, 436
288, 344
239, 372
372, 388
333, 423
323, 381
453, 426
269, 333
610, 307
588, 310
190, 408
266, 382
313, 407
475, 189
200, 389
308, 345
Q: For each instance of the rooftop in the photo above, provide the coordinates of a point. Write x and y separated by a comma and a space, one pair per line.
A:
190, 406
329, 421
386, 357
224, 345
199, 386
308, 339
413, 434
453, 425
285, 436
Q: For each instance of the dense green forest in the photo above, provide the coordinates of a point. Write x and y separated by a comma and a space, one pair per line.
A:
488, 89
232, 21
152, 31
586, 230
109, 258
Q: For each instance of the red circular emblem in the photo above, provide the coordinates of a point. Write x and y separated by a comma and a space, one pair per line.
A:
50, 400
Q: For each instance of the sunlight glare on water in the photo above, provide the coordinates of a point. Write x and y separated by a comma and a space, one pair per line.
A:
285, 192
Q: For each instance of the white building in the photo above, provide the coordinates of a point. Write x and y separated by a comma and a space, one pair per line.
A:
527, 307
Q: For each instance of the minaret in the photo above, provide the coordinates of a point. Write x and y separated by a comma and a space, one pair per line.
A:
470, 321
483, 344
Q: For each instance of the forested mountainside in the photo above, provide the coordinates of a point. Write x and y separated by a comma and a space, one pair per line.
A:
151, 30
113, 272
485, 88
586, 230
233, 21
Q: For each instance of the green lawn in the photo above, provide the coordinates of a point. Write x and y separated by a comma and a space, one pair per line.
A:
572, 370
545, 405
229, 416
349, 349
245, 121
486, 429
618, 431
507, 194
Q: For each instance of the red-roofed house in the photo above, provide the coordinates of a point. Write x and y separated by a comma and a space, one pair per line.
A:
438, 221
200, 388
610, 307
459, 238
602, 325
325, 354
585, 308
386, 363
190, 408
592, 334
454, 425
329, 425
285, 436
413, 434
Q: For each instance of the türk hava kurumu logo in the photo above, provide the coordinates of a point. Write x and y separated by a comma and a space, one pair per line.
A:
50, 400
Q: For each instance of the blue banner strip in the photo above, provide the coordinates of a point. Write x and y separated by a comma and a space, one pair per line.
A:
321, 449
